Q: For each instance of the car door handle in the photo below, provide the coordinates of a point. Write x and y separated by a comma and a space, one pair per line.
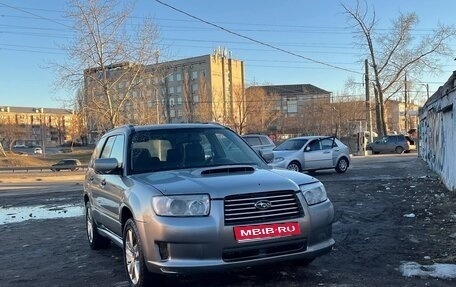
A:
103, 182
327, 152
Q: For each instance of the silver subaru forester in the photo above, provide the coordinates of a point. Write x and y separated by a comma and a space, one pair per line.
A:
187, 198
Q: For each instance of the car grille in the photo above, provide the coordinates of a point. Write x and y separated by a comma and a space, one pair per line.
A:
240, 209
264, 250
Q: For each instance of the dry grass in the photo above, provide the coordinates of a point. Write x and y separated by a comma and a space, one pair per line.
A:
17, 160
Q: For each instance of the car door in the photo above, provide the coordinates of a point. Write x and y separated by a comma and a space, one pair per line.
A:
315, 157
108, 189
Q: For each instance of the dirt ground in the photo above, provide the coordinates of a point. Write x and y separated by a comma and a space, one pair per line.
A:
389, 210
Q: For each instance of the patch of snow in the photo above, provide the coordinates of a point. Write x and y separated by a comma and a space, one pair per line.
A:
437, 270
410, 215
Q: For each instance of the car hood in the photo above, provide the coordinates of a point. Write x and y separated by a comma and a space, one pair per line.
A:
222, 181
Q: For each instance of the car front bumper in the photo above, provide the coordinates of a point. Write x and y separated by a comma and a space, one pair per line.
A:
200, 244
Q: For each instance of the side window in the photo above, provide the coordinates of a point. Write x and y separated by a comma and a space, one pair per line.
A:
117, 150
314, 145
108, 147
253, 141
328, 143
266, 140
97, 151
392, 140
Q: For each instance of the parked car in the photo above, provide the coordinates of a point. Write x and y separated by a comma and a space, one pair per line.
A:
412, 143
262, 144
19, 146
185, 198
312, 153
391, 144
70, 164
37, 150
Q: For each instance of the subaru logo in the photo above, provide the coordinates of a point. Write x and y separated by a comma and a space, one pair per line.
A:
263, 204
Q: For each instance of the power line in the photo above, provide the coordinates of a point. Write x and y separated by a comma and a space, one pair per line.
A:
36, 15
257, 41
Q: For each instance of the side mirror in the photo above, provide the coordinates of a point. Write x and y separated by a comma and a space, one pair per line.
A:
267, 155
106, 165
307, 148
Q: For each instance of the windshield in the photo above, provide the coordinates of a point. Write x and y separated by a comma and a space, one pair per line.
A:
292, 144
159, 150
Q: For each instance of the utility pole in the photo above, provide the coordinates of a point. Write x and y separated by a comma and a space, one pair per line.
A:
405, 104
368, 102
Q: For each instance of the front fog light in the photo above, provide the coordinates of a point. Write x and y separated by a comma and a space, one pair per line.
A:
314, 193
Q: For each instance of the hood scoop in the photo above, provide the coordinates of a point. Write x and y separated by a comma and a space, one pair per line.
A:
228, 170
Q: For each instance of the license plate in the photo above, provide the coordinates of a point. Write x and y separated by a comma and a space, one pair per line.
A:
266, 231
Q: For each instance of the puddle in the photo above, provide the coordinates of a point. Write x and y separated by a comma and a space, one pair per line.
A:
19, 214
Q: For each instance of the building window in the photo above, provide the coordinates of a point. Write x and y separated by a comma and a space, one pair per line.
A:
194, 87
171, 90
178, 77
179, 113
194, 75
292, 106
179, 89
195, 99
179, 101
171, 101
172, 113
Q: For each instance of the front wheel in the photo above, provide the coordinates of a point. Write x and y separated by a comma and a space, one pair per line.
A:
294, 165
342, 165
133, 255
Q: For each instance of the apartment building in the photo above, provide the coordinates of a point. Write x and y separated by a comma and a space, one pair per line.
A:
301, 108
32, 126
203, 88
401, 116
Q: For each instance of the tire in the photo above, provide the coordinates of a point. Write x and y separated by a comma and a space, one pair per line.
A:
96, 241
399, 150
294, 165
342, 165
133, 256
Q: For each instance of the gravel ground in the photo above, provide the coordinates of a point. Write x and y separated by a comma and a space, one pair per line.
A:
386, 214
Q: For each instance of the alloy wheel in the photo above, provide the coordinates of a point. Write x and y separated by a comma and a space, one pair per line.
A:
132, 256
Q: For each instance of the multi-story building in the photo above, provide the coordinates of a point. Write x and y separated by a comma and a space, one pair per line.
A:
35, 126
303, 108
401, 116
204, 88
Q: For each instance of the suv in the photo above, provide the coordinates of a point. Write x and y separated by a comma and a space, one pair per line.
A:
390, 143
262, 144
186, 198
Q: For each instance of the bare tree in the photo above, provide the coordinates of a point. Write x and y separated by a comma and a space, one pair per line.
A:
262, 110
109, 54
397, 51
204, 110
238, 114
10, 130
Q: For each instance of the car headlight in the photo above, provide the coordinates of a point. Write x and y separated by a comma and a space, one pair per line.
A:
181, 205
314, 193
278, 159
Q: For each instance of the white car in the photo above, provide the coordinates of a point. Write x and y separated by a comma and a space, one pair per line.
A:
312, 153
37, 150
